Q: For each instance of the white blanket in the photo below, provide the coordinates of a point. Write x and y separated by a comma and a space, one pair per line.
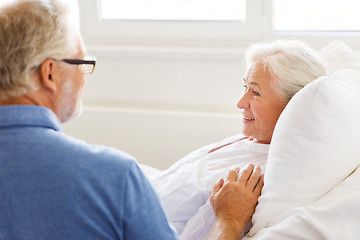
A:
336, 215
185, 187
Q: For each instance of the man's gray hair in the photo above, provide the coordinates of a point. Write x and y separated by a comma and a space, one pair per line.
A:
30, 32
291, 63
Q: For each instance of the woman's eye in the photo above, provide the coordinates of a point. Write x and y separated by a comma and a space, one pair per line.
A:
253, 92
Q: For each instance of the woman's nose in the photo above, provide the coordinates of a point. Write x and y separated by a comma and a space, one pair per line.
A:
243, 102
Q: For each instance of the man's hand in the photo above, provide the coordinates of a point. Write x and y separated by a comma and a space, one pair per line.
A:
234, 202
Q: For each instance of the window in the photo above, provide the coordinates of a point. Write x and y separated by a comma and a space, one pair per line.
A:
208, 10
215, 22
170, 22
317, 22
319, 15
224, 23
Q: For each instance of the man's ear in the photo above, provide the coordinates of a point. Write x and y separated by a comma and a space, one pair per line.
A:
47, 74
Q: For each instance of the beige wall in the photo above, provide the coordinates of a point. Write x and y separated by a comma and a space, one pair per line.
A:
160, 104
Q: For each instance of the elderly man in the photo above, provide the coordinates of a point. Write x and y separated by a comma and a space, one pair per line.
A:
53, 186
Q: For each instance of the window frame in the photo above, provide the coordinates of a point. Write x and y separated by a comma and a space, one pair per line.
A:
95, 30
316, 39
257, 27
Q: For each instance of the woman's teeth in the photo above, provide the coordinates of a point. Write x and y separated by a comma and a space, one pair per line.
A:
248, 118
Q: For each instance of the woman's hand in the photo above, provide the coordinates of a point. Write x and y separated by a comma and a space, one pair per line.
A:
234, 201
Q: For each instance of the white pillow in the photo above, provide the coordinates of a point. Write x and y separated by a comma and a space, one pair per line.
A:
337, 55
314, 147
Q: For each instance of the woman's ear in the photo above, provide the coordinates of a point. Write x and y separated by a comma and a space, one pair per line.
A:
47, 74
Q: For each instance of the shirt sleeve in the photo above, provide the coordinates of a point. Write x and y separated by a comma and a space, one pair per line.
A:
143, 215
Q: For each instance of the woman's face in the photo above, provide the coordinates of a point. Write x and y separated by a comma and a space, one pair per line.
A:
260, 104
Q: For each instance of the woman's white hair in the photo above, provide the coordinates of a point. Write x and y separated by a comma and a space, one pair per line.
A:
291, 63
30, 32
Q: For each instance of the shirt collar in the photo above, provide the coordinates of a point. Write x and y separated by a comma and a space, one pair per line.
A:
28, 115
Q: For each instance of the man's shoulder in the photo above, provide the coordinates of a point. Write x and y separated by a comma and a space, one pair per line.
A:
84, 153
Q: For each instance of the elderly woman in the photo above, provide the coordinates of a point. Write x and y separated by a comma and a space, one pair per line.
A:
275, 72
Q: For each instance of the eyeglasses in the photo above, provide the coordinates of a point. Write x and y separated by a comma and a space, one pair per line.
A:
87, 64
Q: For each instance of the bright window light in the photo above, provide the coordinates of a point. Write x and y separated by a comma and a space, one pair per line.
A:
201, 10
316, 15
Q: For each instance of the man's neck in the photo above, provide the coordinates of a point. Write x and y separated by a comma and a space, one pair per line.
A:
23, 100
35, 99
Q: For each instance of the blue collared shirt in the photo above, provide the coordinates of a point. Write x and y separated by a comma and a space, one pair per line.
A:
53, 186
